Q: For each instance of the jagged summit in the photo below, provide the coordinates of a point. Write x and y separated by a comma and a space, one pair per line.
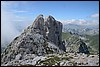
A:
50, 17
50, 29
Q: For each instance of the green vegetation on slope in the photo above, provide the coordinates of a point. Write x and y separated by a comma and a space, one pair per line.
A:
65, 35
94, 41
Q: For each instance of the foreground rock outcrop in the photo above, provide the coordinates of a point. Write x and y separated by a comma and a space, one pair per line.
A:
65, 59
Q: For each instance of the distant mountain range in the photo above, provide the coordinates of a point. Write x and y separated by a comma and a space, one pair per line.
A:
81, 29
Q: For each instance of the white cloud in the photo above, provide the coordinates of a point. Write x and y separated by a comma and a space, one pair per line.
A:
79, 22
92, 22
95, 15
73, 21
8, 29
18, 6
21, 11
10, 22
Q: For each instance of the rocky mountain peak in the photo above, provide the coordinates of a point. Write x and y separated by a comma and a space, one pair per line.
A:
50, 29
40, 38
50, 18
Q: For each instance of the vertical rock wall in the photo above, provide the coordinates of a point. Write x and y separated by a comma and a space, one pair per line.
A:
50, 29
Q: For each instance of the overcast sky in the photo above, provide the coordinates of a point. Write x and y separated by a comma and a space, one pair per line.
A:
17, 15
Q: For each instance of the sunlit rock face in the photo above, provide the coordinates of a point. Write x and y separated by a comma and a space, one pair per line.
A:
50, 29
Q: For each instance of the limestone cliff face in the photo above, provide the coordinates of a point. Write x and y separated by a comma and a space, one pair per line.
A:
50, 29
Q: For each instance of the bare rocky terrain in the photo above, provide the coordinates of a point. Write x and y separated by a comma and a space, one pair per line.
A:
66, 59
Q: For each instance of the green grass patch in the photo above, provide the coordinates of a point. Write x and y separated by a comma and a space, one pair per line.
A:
94, 41
50, 61
65, 35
